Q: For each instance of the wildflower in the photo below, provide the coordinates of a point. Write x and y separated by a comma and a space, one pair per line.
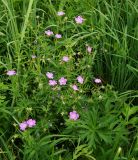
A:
48, 33
49, 75
11, 72
52, 82
89, 49
75, 88
97, 80
62, 81
73, 115
58, 36
80, 79
23, 125
60, 13
65, 58
79, 20
33, 56
31, 122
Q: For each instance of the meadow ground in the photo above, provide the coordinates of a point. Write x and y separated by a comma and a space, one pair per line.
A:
69, 80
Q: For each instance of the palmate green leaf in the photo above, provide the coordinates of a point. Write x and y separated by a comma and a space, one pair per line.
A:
44, 147
93, 132
130, 111
134, 121
105, 135
33, 148
89, 137
82, 150
107, 120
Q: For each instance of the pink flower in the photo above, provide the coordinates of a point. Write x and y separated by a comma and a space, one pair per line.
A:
48, 33
52, 82
33, 56
79, 20
49, 75
31, 122
65, 58
11, 72
75, 88
60, 13
23, 125
97, 80
73, 115
62, 81
58, 36
89, 49
80, 79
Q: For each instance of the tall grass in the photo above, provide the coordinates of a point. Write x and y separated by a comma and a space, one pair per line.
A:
114, 21
115, 44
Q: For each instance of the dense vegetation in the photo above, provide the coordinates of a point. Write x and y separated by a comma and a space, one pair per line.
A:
69, 80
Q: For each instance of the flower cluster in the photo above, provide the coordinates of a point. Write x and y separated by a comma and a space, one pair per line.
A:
49, 75
58, 36
11, 72
73, 115
78, 20
80, 79
89, 49
29, 123
52, 82
65, 58
60, 13
50, 33
62, 81
97, 80
33, 56
75, 87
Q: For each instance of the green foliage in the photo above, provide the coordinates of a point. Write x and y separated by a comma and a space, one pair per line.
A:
107, 127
